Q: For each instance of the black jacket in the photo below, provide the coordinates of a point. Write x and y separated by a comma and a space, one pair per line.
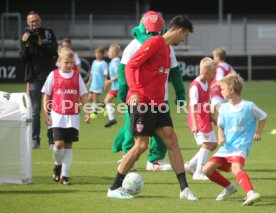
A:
39, 60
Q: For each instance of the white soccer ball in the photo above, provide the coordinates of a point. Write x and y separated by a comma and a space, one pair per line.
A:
133, 183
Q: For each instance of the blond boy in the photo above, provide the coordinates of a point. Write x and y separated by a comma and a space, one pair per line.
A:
62, 91
113, 54
236, 133
199, 118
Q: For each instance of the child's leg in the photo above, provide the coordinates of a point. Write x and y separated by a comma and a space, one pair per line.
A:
67, 159
90, 98
110, 110
95, 101
244, 181
58, 151
242, 177
210, 170
203, 154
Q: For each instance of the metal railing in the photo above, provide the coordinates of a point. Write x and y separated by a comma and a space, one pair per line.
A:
6, 16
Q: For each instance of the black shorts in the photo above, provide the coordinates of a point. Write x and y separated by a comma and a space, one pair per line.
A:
68, 135
50, 136
144, 121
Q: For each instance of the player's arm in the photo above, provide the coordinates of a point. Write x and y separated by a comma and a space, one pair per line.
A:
84, 102
259, 132
47, 98
261, 116
115, 67
109, 81
193, 94
47, 104
83, 98
194, 122
221, 139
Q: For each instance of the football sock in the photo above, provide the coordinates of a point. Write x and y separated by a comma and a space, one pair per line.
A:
94, 107
58, 155
193, 161
219, 179
244, 181
202, 159
66, 162
182, 181
110, 111
118, 181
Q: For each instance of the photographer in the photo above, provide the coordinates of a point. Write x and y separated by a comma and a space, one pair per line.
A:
39, 54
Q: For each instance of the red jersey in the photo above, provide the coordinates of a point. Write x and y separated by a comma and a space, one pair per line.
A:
66, 94
203, 110
146, 72
216, 91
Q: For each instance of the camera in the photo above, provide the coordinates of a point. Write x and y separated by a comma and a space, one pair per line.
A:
34, 34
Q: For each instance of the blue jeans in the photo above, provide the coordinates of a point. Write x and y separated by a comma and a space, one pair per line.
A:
36, 95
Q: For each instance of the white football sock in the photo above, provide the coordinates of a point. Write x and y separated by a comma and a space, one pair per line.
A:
66, 162
51, 147
202, 159
193, 161
58, 155
110, 111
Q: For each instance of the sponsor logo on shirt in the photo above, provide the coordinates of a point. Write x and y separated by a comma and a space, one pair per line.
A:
66, 91
235, 129
164, 70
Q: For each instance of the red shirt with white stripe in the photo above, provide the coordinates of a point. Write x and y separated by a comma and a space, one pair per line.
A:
65, 95
146, 72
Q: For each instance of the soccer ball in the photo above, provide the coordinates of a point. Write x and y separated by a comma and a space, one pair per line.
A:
133, 183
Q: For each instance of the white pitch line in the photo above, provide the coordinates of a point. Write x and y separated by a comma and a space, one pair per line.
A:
81, 162
114, 162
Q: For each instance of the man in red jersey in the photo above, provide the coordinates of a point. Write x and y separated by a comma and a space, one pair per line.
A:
146, 74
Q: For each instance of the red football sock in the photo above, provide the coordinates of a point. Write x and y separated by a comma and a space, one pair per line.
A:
244, 181
219, 179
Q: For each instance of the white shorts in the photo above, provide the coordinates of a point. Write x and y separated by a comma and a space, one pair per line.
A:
209, 137
217, 100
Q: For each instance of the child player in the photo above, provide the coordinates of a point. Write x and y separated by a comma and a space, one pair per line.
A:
236, 132
113, 54
63, 89
99, 71
200, 117
222, 70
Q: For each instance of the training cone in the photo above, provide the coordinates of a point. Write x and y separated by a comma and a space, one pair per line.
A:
273, 132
